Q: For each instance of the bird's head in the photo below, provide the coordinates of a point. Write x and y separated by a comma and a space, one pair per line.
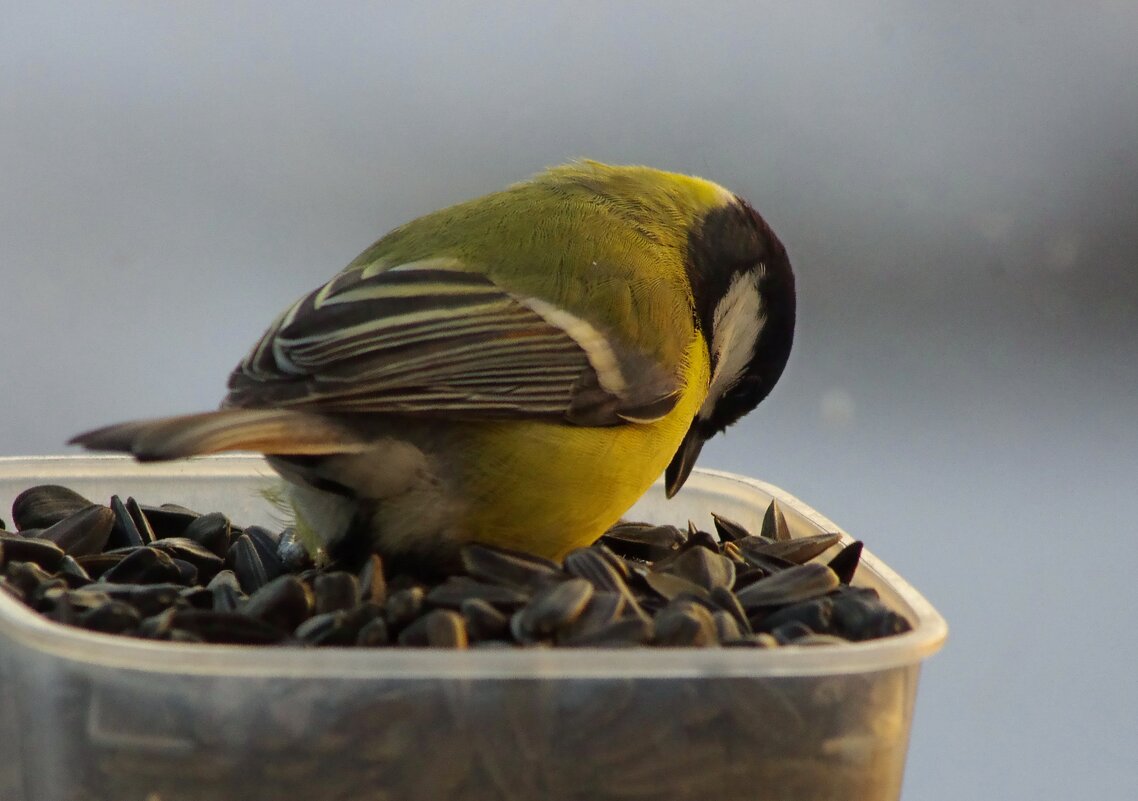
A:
743, 291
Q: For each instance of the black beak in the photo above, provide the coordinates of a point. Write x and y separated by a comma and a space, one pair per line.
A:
684, 460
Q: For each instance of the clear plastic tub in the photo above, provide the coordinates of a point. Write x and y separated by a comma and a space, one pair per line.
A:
93, 717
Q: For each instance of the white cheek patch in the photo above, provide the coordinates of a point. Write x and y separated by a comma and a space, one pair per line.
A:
735, 327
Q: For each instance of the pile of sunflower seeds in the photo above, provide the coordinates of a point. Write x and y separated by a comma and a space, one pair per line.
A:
169, 573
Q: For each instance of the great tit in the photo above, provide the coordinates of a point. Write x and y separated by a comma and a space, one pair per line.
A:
515, 370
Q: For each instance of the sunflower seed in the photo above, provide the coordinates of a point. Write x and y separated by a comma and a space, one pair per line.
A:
373, 633
767, 563
845, 563
671, 587
643, 541
373, 585
705, 567
774, 523
266, 541
787, 633
84, 532
816, 614
73, 573
284, 603
204, 560
45, 505
84, 600
682, 623
124, 533
445, 629
726, 627
552, 607
26, 577
15, 548
440, 628
457, 589
512, 568
7, 586
748, 575
728, 529
50, 598
143, 566
602, 610
403, 606
168, 520
187, 573
618, 562
796, 551
148, 599
197, 597
157, 626
335, 590
341, 627
52, 602
797, 583
226, 590
697, 538
591, 565
226, 627
245, 559
859, 614
140, 521
112, 617
212, 531
727, 602
97, 564
607, 572
483, 621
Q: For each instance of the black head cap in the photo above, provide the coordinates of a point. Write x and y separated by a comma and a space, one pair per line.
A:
743, 289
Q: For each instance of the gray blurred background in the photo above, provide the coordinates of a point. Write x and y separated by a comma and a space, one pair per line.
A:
957, 184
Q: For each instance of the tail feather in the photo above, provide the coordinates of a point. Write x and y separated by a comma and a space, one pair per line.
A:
270, 431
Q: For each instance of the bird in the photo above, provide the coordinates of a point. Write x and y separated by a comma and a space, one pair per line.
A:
515, 370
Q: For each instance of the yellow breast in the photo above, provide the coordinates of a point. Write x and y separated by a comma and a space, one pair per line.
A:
549, 488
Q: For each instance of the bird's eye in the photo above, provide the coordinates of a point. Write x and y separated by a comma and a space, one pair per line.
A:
746, 386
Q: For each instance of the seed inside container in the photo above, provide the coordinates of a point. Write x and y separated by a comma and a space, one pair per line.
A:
170, 573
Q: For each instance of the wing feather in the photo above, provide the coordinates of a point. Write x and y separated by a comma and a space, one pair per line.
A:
430, 338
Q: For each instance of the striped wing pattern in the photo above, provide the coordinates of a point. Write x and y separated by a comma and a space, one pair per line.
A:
427, 338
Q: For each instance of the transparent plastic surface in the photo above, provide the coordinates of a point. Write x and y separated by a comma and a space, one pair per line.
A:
90, 716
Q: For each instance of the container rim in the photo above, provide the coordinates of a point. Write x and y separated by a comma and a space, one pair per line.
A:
19, 623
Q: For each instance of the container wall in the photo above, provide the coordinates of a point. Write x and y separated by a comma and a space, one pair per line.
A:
109, 735
11, 765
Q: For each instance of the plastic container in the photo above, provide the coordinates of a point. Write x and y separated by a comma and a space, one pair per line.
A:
93, 717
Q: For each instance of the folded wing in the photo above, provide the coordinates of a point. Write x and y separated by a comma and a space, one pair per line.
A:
436, 338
